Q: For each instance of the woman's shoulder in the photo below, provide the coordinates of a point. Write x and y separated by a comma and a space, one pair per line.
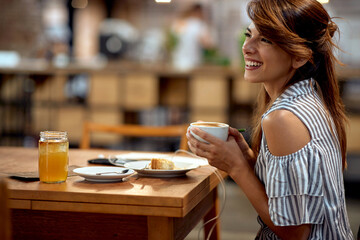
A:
285, 133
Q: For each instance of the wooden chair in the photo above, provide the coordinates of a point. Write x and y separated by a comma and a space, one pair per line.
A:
5, 225
134, 131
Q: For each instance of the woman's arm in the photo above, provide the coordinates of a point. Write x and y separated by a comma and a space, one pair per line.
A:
285, 134
255, 192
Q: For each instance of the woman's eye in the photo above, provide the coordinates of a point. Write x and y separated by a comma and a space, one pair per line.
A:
266, 41
247, 35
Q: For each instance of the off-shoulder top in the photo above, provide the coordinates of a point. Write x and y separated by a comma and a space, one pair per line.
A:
305, 187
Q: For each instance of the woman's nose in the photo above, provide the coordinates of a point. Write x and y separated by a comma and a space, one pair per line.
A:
248, 47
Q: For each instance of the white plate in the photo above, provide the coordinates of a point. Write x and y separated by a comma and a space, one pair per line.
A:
140, 167
89, 173
121, 159
141, 155
184, 156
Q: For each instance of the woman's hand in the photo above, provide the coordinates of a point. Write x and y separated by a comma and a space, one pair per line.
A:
244, 147
227, 156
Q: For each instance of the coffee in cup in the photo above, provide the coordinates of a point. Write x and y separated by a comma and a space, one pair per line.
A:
219, 130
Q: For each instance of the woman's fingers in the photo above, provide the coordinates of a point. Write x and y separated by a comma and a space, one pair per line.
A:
199, 152
195, 143
237, 135
233, 131
200, 148
204, 135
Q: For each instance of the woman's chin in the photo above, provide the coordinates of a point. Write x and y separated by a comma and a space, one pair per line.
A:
251, 79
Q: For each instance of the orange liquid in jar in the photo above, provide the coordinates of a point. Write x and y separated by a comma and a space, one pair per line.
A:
53, 161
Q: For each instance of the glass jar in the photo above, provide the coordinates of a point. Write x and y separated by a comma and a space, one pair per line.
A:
53, 156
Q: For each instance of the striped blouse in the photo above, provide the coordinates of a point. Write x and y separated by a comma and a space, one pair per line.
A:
305, 187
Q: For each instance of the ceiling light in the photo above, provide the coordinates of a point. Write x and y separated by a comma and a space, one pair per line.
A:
163, 1
323, 1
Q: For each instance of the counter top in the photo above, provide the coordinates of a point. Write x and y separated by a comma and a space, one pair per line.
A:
42, 67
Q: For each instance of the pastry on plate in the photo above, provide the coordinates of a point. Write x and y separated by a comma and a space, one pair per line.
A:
162, 164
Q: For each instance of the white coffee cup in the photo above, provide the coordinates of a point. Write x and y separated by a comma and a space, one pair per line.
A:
219, 130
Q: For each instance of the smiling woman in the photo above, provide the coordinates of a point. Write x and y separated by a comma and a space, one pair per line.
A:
293, 174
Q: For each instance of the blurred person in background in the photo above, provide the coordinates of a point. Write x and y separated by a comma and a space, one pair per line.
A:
191, 35
293, 172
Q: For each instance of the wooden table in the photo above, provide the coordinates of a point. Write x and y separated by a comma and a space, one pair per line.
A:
142, 208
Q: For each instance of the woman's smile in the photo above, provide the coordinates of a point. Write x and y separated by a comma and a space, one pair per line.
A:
252, 64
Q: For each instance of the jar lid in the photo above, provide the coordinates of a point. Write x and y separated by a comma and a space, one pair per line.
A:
53, 134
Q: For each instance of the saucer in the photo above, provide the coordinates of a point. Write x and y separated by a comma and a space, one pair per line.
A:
103, 174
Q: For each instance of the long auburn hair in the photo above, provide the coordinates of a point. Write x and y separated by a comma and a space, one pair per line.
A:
302, 28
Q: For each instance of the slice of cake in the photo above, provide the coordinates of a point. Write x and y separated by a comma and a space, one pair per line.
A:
163, 164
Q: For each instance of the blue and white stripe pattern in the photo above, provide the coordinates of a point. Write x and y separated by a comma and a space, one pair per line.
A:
305, 187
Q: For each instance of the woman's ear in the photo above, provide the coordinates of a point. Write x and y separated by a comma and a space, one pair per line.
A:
298, 62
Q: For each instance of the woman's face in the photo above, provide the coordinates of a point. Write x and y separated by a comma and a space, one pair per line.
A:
265, 61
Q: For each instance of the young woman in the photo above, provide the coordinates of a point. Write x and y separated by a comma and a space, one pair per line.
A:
293, 174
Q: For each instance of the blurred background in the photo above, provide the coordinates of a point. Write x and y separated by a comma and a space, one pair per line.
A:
63, 62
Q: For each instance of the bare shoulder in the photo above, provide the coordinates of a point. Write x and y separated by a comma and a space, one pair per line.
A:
285, 133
